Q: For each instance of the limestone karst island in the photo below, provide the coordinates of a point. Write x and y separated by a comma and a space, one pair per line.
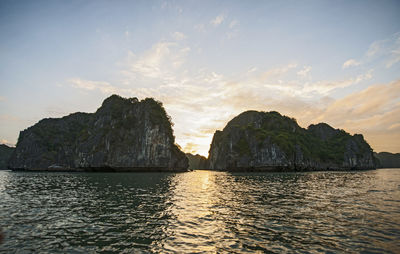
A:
126, 134
122, 135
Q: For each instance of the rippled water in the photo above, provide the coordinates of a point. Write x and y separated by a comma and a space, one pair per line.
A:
200, 211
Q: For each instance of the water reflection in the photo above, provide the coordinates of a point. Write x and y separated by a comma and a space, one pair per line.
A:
331, 211
81, 212
195, 204
201, 211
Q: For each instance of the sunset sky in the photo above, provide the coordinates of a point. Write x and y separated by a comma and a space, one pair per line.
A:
317, 61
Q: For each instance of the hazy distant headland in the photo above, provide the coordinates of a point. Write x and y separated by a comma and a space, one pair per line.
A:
126, 134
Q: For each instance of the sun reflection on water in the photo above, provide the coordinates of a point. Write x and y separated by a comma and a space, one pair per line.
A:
192, 200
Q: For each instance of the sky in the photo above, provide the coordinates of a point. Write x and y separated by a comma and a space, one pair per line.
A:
317, 61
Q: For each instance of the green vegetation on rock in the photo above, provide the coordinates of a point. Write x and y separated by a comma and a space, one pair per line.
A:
242, 147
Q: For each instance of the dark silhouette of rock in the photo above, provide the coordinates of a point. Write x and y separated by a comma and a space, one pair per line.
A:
122, 135
197, 161
272, 142
388, 160
5, 155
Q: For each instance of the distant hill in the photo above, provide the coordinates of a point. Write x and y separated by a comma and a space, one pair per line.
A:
270, 141
5, 155
388, 160
197, 161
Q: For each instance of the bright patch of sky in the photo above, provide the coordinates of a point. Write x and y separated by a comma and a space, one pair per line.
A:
207, 61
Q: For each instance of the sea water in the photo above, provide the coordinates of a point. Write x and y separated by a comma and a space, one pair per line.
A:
200, 212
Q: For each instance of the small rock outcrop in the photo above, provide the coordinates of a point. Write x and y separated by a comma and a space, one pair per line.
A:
197, 161
5, 155
269, 141
122, 135
388, 160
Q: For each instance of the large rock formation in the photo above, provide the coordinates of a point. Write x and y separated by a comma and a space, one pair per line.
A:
5, 154
269, 141
197, 161
122, 135
388, 160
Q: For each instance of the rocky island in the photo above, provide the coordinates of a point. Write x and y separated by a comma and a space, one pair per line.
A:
388, 160
269, 141
5, 154
126, 134
122, 135
197, 161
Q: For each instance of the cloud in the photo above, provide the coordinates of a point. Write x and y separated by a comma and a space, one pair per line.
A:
374, 48
277, 72
233, 30
200, 28
191, 148
178, 36
395, 126
127, 34
233, 24
373, 111
386, 51
171, 6
376, 99
305, 72
232, 34
2, 98
218, 20
104, 87
10, 118
394, 59
350, 63
326, 86
278, 79
6, 142
160, 62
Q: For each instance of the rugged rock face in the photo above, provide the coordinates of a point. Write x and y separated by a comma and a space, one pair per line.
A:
122, 135
197, 161
269, 141
5, 154
388, 160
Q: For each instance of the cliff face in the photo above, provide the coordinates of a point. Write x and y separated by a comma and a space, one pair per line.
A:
123, 134
197, 161
269, 141
388, 160
5, 154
